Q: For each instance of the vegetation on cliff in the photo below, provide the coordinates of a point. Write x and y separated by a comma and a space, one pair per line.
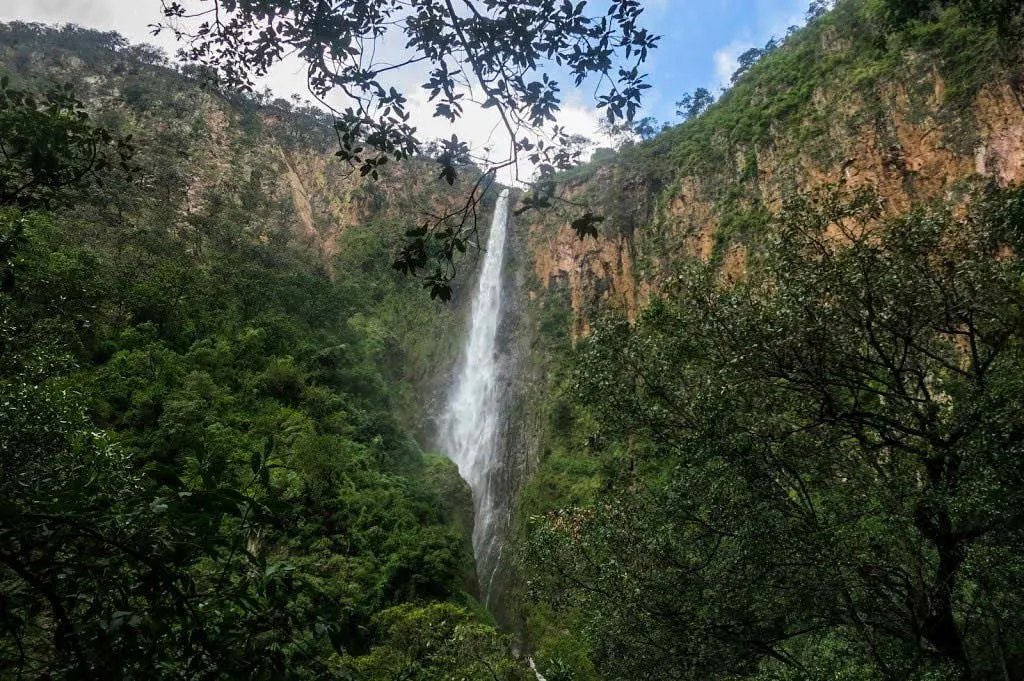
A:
512, 55
802, 464
921, 108
813, 473
800, 461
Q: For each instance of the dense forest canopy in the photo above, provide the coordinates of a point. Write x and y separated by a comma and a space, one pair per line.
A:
204, 472
815, 473
800, 461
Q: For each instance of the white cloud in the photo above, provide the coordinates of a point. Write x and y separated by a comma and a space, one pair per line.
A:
130, 18
727, 61
484, 132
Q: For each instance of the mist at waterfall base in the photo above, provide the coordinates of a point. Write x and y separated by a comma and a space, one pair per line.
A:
470, 424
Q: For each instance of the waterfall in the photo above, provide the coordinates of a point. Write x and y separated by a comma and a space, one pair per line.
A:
470, 425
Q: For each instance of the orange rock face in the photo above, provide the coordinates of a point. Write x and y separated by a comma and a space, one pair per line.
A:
909, 154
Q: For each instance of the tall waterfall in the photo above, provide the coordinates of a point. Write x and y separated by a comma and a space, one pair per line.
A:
470, 425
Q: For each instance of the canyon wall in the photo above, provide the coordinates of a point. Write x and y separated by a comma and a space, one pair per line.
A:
917, 120
268, 167
932, 111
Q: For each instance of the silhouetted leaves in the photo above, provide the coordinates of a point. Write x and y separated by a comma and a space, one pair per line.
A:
49, 144
586, 225
501, 50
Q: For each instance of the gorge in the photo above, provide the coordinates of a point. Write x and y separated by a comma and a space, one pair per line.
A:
756, 418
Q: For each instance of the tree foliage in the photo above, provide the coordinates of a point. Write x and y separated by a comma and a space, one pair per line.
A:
47, 145
506, 55
693, 105
50, 144
437, 643
813, 472
202, 469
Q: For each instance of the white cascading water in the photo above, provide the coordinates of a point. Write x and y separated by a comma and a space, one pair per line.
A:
470, 425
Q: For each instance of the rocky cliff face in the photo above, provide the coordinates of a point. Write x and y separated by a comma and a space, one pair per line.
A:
910, 121
215, 146
934, 112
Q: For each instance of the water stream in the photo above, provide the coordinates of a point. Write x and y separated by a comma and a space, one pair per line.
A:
470, 425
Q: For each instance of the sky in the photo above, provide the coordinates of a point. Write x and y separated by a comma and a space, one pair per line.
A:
700, 41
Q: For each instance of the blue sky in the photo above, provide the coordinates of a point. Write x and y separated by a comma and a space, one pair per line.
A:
700, 42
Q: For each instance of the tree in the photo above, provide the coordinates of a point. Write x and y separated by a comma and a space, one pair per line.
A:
146, 54
693, 105
436, 642
755, 54
818, 9
746, 61
48, 145
646, 128
201, 470
498, 52
627, 133
813, 471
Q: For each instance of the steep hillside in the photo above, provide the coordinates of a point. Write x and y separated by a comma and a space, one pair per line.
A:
662, 467
923, 111
766, 427
268, 166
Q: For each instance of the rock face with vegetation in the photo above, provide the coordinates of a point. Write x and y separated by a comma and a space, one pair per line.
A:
768, 392
922, 110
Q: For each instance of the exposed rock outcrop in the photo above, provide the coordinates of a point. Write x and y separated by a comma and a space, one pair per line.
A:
913, 148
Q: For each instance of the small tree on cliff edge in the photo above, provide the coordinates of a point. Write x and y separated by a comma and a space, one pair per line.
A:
494, 51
